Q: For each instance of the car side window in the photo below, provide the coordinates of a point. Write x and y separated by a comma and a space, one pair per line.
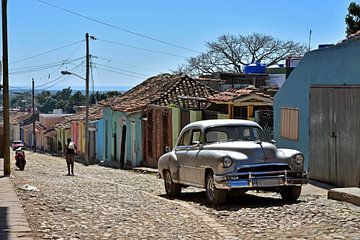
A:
216, 136
185, 139
196, 137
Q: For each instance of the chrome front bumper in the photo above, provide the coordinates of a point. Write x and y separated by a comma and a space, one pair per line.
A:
261, 179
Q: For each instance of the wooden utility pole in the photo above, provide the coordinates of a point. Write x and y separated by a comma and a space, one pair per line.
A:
87, 76
6, 113
33, 114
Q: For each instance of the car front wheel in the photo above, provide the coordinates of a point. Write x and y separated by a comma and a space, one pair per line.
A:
172, 189
290, 193
214, 196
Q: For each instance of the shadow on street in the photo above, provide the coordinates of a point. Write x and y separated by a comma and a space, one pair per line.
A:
4, 228
233, 202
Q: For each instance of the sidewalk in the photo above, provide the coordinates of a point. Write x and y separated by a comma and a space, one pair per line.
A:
13, 222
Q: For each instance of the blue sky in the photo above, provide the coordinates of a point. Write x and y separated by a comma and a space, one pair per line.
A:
34, 27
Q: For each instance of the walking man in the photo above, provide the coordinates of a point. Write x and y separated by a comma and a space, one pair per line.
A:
70, 156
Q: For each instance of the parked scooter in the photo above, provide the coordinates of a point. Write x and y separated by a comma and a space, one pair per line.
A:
20, 158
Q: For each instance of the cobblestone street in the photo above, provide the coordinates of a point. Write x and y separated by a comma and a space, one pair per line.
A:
105, 203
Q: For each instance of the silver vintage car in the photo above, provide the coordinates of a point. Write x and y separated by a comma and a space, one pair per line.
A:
223, 155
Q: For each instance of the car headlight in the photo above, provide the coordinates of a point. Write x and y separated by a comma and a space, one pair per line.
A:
227, 162
299, 159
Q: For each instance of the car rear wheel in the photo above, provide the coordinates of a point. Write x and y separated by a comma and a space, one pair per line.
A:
290, 193
214, 196
172, 189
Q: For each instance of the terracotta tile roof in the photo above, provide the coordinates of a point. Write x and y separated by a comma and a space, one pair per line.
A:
163, 89
19, 117
232, 94
95, 113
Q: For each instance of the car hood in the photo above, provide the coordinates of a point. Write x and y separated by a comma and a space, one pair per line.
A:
253, 150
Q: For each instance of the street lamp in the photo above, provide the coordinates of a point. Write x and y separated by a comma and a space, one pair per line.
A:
71, 73
86, 114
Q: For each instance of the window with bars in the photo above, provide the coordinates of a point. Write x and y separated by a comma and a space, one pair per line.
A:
290, 123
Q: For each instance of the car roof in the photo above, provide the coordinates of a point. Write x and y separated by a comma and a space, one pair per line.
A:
221, 122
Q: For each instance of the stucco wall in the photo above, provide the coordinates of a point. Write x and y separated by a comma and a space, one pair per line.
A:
99, 139
114, 121
336, 65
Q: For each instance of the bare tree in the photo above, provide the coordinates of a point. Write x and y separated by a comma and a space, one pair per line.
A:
230, 53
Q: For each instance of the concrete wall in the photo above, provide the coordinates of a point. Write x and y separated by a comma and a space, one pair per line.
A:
335, 65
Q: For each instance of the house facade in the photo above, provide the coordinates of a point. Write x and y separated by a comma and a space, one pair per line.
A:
138, 124
317, 112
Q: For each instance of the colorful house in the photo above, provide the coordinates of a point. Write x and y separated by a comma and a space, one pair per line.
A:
74, 128
317, 112
138, 124
240, 103
16, 120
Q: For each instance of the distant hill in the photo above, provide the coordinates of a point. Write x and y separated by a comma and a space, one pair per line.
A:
74, 88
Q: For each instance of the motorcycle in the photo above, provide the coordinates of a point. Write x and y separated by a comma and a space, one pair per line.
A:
20, 159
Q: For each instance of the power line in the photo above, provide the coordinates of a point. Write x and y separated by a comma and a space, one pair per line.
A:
119, 69
122, 63
46, 52
140, 48
36, 68
57, 69
118, 72
116, 27
57, 80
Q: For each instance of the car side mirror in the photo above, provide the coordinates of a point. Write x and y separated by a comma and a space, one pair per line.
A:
273, 141
167, 149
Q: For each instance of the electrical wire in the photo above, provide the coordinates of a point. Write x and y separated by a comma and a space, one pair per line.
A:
108, 60
119, 69
46, 52
118, 72
36, 68
56, 80
140, 48
116, 27
57, 69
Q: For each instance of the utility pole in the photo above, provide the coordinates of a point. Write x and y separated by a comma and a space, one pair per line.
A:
87, 76
6, 113
33, 114
309, 48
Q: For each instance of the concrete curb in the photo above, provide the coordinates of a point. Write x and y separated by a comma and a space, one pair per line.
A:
13, 221
350, 195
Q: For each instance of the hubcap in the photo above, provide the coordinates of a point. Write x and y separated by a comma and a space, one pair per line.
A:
211, 188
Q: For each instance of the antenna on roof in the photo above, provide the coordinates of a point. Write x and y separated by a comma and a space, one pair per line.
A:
309, 41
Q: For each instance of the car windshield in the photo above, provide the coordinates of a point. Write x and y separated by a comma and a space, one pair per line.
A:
17, 142
233, 133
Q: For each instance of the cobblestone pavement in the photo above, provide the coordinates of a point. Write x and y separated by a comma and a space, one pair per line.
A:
105, 203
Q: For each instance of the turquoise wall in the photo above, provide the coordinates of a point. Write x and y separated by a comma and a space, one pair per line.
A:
107, 117
336, 65
112, 120
99, 139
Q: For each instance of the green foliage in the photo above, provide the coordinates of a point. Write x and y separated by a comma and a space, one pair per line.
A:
22, 101
65, 100
352, 19
101, 96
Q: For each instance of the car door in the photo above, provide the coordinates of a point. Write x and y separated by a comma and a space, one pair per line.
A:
181, 151
195, 173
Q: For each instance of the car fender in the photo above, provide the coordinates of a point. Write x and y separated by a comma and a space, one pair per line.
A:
212, 159
168, 161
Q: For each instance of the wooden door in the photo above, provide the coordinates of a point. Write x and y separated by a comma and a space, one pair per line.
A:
335, 135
